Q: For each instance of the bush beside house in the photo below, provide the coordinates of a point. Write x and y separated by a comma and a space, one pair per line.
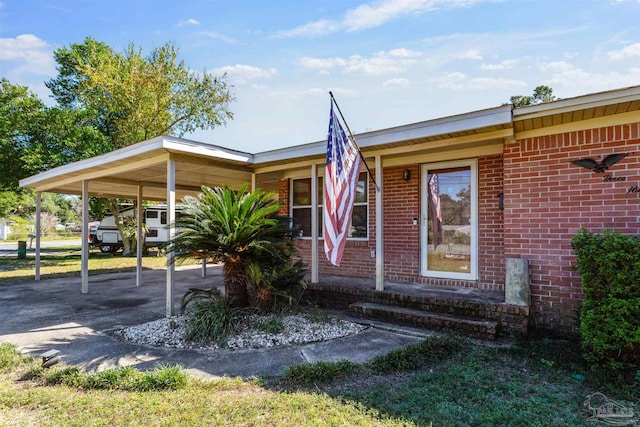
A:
609, 265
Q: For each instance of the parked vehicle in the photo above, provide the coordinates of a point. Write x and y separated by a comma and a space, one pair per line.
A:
107, 236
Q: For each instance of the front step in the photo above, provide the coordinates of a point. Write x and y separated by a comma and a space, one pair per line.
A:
477, 328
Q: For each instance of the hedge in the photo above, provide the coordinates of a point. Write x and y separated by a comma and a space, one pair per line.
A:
609, 264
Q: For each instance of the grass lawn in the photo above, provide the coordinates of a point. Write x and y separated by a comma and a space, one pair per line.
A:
449, 382
64, 261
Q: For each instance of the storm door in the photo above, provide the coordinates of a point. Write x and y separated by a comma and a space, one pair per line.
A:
449, 226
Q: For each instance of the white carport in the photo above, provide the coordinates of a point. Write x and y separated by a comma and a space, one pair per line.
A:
160, 169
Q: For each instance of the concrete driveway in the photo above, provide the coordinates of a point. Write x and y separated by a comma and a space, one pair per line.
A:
53, 314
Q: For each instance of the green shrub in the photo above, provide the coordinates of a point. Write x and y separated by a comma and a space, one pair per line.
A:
276, 283
10, 357
213, 321
320, 372
609, 265
271, 324
121, 378
196, 295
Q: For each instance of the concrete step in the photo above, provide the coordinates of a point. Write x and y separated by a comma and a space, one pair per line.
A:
468, 326
512, 320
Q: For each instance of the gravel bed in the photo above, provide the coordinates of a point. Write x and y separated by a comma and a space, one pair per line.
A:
297, 329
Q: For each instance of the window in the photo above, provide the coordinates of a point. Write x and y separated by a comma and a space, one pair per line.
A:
301, 207
152, 232
152, 214
449, 220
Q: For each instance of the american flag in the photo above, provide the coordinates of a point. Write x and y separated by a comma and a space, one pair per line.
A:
341, 178
434, 210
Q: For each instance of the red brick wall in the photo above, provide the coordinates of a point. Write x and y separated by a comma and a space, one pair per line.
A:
547, 200
283, 197
402, 238
490, 236
401, 200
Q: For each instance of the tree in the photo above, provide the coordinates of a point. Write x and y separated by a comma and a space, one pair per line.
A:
35, 138
18, 107
541, 95
131, 98
233, 227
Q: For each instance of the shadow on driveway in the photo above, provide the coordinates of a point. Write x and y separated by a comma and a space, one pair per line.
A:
53, 314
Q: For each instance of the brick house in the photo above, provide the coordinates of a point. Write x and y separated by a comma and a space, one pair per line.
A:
503, 179
522, 156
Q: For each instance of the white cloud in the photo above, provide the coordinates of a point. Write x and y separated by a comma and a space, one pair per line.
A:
404, 53
319, 92
383, 62
483, 83
451, 80
396, 82
190, 21
470, 54
314, 91
626, 52
555, 67
218, 36
459, 81
507, 64
241, 73
32, 54
372, 15
320, 63
345, 92
312, 29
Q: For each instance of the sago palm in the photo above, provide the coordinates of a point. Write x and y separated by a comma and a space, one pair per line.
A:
230, 226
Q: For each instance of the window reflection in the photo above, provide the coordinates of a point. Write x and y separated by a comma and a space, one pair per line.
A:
449, 220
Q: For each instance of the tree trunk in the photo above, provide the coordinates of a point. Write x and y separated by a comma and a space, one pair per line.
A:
234, 272
115, 211
128, 241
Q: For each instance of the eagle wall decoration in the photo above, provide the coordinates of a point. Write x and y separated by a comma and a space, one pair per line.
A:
600, 167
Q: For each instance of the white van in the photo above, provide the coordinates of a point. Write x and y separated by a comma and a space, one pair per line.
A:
155, 217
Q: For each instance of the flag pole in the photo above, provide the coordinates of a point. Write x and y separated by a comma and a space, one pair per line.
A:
353, 138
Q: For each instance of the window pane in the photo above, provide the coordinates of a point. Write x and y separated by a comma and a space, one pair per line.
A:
302, 222
449, 222
301, 192
361, 188
358, 226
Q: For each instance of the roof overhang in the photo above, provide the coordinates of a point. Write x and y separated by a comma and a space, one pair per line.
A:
557, 116
120, 172
478, 127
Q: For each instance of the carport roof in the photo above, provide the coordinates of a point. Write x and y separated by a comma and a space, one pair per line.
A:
119, 173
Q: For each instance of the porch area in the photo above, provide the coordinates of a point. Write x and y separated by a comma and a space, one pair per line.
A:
466, 311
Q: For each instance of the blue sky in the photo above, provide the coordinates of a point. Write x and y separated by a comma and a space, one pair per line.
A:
388, 62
